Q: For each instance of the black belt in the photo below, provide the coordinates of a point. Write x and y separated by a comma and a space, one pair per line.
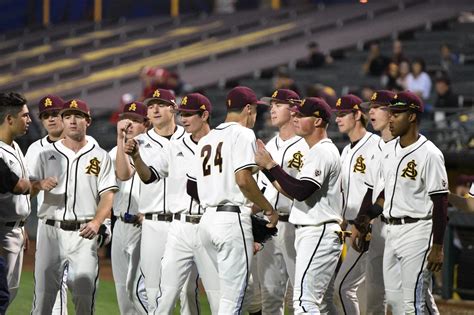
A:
305, 225
284, 217
351, 222
226, 208
14, 223
190, 218
168, 217
399, 221
67, 225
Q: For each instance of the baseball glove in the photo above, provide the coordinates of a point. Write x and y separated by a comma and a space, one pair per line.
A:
362, 242
105, 233
262, 233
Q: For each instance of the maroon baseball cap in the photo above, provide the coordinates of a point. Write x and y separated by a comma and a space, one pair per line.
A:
77, 106
240, 96
406, 100
160, 95
313, 107
282, 96
379, 98
195, 102
134, 110
49, 103
348, 103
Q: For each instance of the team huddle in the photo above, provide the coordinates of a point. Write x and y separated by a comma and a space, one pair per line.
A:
183, 196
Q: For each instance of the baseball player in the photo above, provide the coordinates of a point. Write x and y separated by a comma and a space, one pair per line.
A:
127, 233
183, 252
316, 212
154, 213
414, 208
223, 183
49, 108
466, 204
276, 261
355, 162
14, 186
77, 178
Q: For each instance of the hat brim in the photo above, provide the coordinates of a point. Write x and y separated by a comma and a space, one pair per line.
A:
369, 105
185, 110
132, 115
65, 110
157, 99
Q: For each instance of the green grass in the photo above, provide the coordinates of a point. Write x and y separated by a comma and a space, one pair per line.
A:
106, 302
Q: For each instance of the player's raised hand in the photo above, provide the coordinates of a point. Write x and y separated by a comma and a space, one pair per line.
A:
263, 157
89, 230
435, 258
122, 127
48, 183
131, 147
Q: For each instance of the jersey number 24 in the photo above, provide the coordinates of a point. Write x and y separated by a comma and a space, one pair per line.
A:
206, 153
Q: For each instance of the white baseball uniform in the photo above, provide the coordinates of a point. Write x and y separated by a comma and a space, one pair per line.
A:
471, 191
317, 220
356, 162
60, 306
126, 246
82, 178
276, 261
225, 228
184, 255
14, 210
410, 174
154, 204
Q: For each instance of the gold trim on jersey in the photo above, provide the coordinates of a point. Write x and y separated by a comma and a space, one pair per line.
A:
410, 171
94, 167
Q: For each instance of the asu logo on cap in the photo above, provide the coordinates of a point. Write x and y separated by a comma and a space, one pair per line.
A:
184, 101
73, 104
275, 94
338, 103
156, 93
132, 107
374, 96
48, 102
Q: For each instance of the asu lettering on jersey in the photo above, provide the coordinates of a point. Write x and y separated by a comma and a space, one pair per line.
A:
14, 207
321, 165
153, 151
419, 173
355, 165
289, 154
90, 167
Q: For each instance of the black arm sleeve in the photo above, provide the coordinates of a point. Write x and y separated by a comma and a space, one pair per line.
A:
268, 175
295, 188
192, 189
376, 210
8, 179
440, 217
366, 203
152, 177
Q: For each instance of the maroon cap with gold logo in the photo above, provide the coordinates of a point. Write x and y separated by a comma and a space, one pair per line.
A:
135, 110
347, 103
76, 106
240, 96
50, 103
406, 100
282, 96
313, 107
160, 96
379, 98
195, 102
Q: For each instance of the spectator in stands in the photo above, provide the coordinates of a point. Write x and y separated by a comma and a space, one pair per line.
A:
448, 58
315, 59
418, 81
403, 72
376, 63
365, 93
397, 52
327, 93
152, 78
283, 80
445, 98
390, 80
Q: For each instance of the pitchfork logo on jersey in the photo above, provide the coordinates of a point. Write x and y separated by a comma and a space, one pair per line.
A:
410, 171
94, 167
359, 166
297, 161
